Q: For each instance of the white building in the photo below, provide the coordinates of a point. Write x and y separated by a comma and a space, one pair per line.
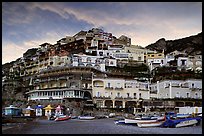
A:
191, 88
98, 62
118, 92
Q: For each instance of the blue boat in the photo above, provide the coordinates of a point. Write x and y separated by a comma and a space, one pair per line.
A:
181, 122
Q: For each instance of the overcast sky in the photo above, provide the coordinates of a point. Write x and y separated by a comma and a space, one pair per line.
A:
27, 25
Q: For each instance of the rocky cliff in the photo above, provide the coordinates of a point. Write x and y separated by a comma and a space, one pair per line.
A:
191, 45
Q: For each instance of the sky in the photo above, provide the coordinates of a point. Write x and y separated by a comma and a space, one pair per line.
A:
26, 25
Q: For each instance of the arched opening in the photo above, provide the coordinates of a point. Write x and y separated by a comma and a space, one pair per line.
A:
189, 104
118, 104
87, 95
109, 103
179, 104
130, 105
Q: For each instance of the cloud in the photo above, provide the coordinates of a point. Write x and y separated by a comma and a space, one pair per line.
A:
26, 25
8, 47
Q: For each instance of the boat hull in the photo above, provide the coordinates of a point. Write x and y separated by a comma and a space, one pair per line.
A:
150, 124
62, 118
187, 123
86, 118
131, 121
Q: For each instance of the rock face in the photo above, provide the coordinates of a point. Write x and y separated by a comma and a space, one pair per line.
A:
191, 45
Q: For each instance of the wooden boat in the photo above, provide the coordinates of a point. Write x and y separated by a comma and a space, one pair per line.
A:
187, 123
150, 124
62, 117
120, 122
131, 121
181, 122
86, 117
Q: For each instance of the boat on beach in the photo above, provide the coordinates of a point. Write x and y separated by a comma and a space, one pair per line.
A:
62, 117
120, 122
184, 122
150, 124
86, 117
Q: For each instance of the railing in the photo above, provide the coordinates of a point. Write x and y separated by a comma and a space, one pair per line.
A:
117, 88
98, 97
109, 88
118, 97
98, 85
128, 98
143, 90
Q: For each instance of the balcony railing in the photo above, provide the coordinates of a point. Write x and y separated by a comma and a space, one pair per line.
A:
118, 97
98, 97
143, 90
119, 88
110, 88
128, 98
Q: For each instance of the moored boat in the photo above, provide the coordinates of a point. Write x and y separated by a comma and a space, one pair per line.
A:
150, 124
187, 123
62, 117
120, 122
86, 117
181, 122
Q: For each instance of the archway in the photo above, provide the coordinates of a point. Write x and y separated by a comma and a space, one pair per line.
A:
109, 103
87, 95
118, 104
130, 104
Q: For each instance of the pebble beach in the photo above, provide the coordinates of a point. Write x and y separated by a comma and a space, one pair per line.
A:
96, 126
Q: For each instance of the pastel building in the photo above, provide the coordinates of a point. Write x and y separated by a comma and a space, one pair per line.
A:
154, 60
118, 92
190, 88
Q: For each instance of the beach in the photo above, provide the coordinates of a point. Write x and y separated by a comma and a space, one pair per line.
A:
96, 126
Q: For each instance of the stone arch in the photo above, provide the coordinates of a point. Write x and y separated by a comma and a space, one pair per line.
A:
118, 104
131, 104
189, 104
179, 104
109, 103
87, 95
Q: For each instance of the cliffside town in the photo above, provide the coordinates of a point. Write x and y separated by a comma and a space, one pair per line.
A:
95, 68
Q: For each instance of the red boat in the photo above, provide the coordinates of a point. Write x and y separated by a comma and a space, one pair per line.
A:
62, 117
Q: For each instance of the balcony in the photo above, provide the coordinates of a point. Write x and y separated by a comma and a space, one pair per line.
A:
98, 85
106, 97
119, 88
143, 89
109, 88
128, 98
195, 89
98, 97
118, 97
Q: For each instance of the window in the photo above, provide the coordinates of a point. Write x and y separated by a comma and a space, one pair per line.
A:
101, 53
108, 84
128, 94
152, 55
183, 62
118, 94
196, 95
98, 94
187, 95
135, 95
140, 95
192, 85
139, 58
